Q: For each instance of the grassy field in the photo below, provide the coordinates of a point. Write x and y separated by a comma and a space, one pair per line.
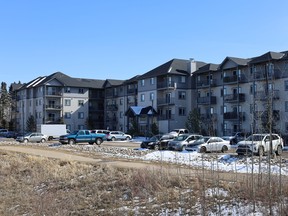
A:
32, 185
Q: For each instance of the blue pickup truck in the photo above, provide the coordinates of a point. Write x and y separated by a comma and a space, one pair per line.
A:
82, 136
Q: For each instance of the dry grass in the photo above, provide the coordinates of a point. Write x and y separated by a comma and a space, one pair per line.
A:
33, 185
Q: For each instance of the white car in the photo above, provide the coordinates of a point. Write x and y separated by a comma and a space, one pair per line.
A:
179, 143
209, 144
32, 137
118, 135
260, 144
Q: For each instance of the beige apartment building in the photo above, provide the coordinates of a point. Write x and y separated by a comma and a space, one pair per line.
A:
236, 95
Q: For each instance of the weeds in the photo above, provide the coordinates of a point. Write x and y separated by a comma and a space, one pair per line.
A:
33, 185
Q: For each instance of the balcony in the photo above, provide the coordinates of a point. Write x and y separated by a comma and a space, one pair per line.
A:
235, 79
208, 117
53, 107
209, 100
263, 74
233, 116
264, 117
234, 98
53, 94
207, 83
165, 101
166, 117
166, 85
263, 95
112, 107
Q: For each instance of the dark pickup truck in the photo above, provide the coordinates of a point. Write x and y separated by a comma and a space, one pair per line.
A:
82, 136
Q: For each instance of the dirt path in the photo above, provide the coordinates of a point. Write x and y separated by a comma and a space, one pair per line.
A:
49, 153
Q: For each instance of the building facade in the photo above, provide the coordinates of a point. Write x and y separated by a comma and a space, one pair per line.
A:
237, 95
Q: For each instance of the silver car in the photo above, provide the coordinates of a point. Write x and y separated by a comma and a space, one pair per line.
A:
118, 135
32, 137
180, 142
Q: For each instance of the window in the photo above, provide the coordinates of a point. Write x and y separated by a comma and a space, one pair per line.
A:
142, 82
67, 115
81, 91
286, 85
142, 97
151, 96
121, 101
67, 102
152, 81
121, 114
182, 95
286, 106
182, 111
67, 90
253, 88
80, 115
40, 102
183, 79
80, 102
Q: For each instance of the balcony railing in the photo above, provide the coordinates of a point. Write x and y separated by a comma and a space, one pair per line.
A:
235, 79
206, 100
208, 116
52, 93
166, 117
207, 83
262, 95
112, 107
263, 74
54, 107
234, 116
165, 101
233, 98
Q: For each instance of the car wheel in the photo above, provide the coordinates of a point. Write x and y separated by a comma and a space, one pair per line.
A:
260, 151
127, 138
113, 139
202, 149
183, 148
279, 150
42, 140
25, 140
71, 141
98, 141
156, 147
224, 149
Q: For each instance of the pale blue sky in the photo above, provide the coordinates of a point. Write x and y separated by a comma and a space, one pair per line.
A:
118, 39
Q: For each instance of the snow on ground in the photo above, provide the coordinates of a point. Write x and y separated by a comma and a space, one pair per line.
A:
224, 162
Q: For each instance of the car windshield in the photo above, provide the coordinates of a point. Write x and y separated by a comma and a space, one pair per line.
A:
201, 141
154, 138
255, 137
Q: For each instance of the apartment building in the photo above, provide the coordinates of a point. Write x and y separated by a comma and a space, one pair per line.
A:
59, 98
237, 95
244, 95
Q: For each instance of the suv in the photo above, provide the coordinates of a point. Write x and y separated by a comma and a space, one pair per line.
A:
260, 144
180, 142
118, 135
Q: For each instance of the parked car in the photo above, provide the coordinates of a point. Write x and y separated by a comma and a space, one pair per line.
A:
3, 132
235, 138
209, 144
151, 142
118, 135
177, 132
32, 137
162, 144
179, 143
260, 144
102, 131
11, 134
82, 136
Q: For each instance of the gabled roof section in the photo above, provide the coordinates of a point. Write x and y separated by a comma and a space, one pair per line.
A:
174, 66
139, 110
208, 68
65, 81
112, 82
234, 62
132, 80
269, 56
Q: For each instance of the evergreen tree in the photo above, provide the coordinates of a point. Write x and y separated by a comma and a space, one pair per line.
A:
5, 109
193, 123
31, 124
